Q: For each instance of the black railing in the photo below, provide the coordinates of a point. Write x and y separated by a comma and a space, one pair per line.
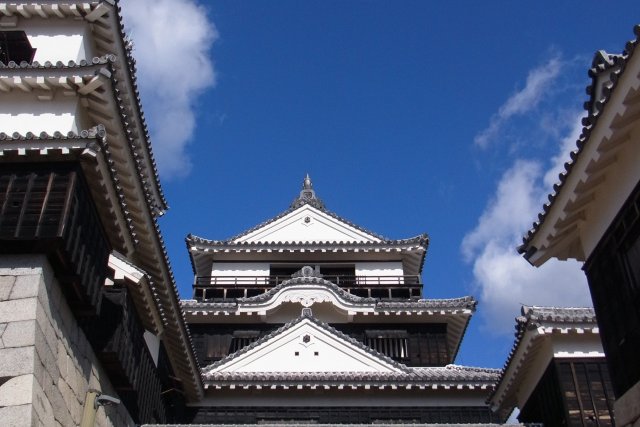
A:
230, 287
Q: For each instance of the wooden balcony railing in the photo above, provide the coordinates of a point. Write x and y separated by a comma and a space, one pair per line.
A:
231, 287
48, 209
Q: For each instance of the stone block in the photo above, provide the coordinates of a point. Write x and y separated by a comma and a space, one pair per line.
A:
26, 287
46, 354
70, 400
41, 404
63, 359
16, 361
17, 391
3, 327
42, 317
16, 416
22, 309
60, 411
41, 372
627, 407
6, 285
19, 334
51, 337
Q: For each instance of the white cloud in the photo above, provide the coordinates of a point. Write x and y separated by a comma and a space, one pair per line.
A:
536, 88
172, 40
504, 278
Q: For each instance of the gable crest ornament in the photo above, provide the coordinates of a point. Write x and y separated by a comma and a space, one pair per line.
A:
307, 195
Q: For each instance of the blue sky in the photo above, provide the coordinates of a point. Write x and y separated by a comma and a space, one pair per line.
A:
449, 118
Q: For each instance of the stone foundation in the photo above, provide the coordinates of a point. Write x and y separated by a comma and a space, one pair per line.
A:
46, 363
627, 408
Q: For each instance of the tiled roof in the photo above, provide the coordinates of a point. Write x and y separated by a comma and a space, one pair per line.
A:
440, 375
603, 62
96, 132
534, 317
295, 205
467, 302
417, 246
420, 376
421, 240
446, 303
24, 65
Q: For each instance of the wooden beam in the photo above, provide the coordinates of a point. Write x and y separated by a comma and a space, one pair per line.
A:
584, 187
610, 143
97, 13
91, 85
40, 11
23, 11
56, 11
598, 166
630, 116
21, 83
42, 83
73, 8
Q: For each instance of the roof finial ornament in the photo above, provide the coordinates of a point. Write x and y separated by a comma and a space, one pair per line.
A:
306, 184
307, 195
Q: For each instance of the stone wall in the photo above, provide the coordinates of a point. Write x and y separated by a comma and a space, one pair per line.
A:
46, 363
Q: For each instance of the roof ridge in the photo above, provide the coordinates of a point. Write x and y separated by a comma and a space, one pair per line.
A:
421, 239
96, 60
95, 132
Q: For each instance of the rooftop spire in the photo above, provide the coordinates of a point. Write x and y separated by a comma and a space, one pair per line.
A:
306, 184
307, 195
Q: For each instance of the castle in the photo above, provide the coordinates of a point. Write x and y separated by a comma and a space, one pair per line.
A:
305, 318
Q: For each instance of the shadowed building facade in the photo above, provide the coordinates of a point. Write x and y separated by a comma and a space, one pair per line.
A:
89, 311
593, 215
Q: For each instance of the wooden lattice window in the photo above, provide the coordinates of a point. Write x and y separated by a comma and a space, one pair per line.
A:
242, 339
391, 343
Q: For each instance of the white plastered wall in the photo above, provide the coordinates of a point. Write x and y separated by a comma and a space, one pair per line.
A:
55, 40
240, 269
307, 224
23, 112
58, 39
387, 268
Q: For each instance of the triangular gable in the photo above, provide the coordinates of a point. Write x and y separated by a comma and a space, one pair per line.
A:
307, 346
307, 224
